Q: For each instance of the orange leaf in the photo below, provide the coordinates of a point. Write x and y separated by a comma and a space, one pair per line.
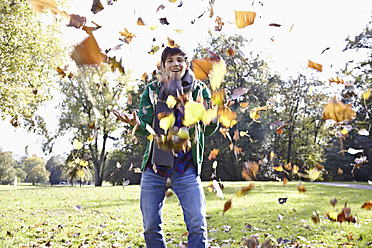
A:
340, 171
250, 170
367, 205
288, 166
201, 68
295, 169
129, 99
140, 22
278, 168
128, 36
285, 180
227, 118
245, 189
280, 130
315, 66
88, 52
219, 23
185, 234
227, 206
171, 43
337, 80
244, 18
338, 111
213, 154
301, 188
318, 166
14, 122
230, 52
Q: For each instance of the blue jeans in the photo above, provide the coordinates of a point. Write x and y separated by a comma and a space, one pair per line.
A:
189, 191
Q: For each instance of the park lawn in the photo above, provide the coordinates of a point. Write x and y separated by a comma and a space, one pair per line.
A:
110, 216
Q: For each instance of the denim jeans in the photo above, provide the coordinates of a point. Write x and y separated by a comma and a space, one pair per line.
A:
189, 191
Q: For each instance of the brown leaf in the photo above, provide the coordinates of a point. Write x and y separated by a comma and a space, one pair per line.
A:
164, 21
227, 118
301, 188
285, 180
14, 122
160, 7
250, 170
96, 6
61, 72
77, 21
318, 166
340, 171
245, 189
129, 99
227, 206
230, 52
274, 25
219, 23
172, 43
88, 52
288, 166
140, 22
367, 205
315, 218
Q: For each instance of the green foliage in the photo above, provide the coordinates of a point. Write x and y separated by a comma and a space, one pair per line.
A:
90, 95
111, 217
54, 165
7, 167
38, 174
29, 52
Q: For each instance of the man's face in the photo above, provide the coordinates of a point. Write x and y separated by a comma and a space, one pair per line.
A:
175, 67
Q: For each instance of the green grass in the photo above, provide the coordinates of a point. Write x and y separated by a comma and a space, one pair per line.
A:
110, 216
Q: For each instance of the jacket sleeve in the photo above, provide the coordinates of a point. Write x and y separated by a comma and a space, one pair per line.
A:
145, 113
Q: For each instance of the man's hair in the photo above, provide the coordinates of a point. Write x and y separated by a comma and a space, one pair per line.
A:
168, 52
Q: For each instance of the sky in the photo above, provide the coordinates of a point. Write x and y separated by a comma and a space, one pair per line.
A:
307, 28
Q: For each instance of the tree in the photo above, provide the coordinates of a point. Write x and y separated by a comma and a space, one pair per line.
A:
54, 165
29, 52
7, 167
90, 96
38, 174
29, 163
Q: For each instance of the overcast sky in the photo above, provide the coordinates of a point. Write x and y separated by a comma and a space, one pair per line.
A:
307, 28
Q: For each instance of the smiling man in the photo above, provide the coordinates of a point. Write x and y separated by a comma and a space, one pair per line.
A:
181, 167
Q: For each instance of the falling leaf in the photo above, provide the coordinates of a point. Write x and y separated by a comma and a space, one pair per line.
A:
318, 166
254, 115
250, 170
227, 118
154, 49
217, 74
280, 130
295, 169
227, 206
340, 171
301, 188
354, 151
367, 205
288, 166
77, 145
77, 21
39, 5
115, 64
315, 218
338, 111
218, 97
194, 112
210, 115
274, 25
213, 154
127, 35
333, 202
88, 52
366, 94
167, 122
219, 23
337, 80
238, 92
97, 6
244, 18
214, 165
61, 72
161, 7
363, 132
80, 173
230, 52
245, 189
164, 21
244, 106
140, 22
314, 174
278, 168
171, 101
325, 50
202, 68
285, 180
92, 125
14, 122
171, 43
315, 66
272, 155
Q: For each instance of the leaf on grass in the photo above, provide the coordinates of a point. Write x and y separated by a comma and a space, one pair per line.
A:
367, 205
301, 188
315, 218
244, 18
315, 66
194, 112
338, 111
88, 52
332, 215
213, 154
227, 206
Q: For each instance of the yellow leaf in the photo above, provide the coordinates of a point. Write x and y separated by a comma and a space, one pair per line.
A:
295, 169
272, 155
150, 137
338, 111
80, 173
180, 31
242, 133
83, 163
218, 97
279, 168
183, 133
217, 74
244, 18
344, 131
90, 139
128, 36
227, 118
171, 101
167, 122
332, 215
210, 115
367, 94
77, 145
254, 115
214, 165
314, 174
194, 112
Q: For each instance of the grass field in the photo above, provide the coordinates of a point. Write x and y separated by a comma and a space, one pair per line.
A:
110, 216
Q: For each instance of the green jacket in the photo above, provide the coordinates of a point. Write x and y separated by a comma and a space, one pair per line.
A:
146, 115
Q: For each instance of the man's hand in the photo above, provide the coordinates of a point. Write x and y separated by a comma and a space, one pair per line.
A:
131, 119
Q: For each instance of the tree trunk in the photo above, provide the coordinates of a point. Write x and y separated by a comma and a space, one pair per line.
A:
97, 174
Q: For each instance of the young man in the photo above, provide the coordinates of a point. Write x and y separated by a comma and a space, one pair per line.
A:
181, 168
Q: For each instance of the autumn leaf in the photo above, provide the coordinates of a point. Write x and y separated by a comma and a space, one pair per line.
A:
209, 116
250, 170
278, 168
272, 155
332, 215
219, 24
315, 218
227, 206
314, 174
217, 74
194, 112
337, 80
14, 122
367, 205
274, 25
154, 49
171, 43
238, 92
285, 180
333, 202
318, 166
243, 106
338, 111
230, 52
245, 189
92, 125
171, 101
218, 97
315, 66
213, 154
167, 122
244, 18
201, 68
280, 130
254, 115
295, 169
164, 21
39, 5
80, 173
288, 166
77, 21
140, 22
340, 171
127, 35
301, 188
366, 94
97, 6
88, 52
226, 117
